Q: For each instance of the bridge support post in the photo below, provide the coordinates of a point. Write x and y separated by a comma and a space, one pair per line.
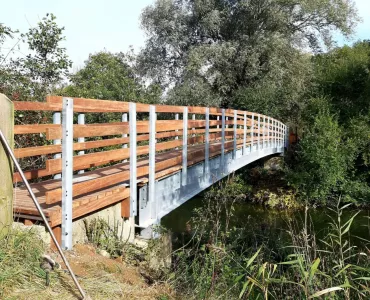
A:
259, 132
152, 199
133, 160
235, 136
223, 142
6, 166
252, 134
185, 147
67, 172
245, 134
206, 150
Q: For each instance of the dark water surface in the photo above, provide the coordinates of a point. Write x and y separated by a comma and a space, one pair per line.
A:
274, 222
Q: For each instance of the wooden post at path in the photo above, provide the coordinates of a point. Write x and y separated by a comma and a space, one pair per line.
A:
6, 166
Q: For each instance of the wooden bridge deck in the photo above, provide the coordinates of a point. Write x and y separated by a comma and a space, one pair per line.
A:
85, 204
151, 142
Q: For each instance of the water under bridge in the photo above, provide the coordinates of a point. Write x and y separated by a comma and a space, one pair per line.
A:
148, 158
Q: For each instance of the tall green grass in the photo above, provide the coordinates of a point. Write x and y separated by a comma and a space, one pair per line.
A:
20, 253
225, 262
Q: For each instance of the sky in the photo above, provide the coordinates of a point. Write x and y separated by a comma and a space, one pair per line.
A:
113, 25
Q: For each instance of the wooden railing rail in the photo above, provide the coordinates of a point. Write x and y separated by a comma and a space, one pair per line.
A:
135, 146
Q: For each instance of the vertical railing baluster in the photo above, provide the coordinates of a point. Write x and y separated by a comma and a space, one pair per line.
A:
67, 172
192, 129
124, 119
252, 133
57, 119
275, 135
264, 133
245, 134
152, 129
259, 132
81, 121
185, 147
206, 163
218, 119
176, 137
133, 160
235, 135
268, 132
223, 141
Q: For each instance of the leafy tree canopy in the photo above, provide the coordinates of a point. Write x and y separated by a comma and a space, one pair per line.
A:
231, 46
109, 76
36, 74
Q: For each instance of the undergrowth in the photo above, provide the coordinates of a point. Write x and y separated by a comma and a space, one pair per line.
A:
222, 261
20, 253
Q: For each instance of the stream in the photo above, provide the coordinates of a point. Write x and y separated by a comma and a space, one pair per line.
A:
273, 223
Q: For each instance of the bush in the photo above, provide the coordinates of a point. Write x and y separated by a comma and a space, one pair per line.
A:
321, 157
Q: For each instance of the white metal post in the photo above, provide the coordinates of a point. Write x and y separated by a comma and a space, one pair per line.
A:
264, 133
275, 134
124, 120
206, 162
223, 142
133, 160
67, 172
81, 121
185, 147
252, 133
218, 119
176, 137
235, 137
259, 132
152, 199
57, 119
193, 118
269, 132
245, 134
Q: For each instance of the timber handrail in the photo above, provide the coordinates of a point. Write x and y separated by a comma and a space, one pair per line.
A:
123, 143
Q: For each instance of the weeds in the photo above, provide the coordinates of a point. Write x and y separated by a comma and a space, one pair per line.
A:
20, 254
223, 262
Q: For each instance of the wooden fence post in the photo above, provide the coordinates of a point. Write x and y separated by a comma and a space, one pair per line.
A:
6, 165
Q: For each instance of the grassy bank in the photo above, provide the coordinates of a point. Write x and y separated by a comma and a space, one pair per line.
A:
222, 261
22, 277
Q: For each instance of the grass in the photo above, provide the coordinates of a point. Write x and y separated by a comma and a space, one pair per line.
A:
224, 262
21, 276
20, 254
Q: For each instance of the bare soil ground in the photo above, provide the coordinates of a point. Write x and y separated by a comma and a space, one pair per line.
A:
101, 277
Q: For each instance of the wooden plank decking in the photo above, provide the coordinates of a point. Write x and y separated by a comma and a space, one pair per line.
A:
87, 203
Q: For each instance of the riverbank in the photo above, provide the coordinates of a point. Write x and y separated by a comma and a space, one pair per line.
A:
231, 249
124, 277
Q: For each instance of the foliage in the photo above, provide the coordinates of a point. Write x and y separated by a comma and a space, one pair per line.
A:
105, 237
234, 50
224, 262
34, 76
321, 162
332, 156
109, 76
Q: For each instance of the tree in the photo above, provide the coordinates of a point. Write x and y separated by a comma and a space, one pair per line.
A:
233, 46
34, 76
109, 76
322, 158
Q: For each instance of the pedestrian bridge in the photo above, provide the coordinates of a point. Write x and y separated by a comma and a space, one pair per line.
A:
85, 155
